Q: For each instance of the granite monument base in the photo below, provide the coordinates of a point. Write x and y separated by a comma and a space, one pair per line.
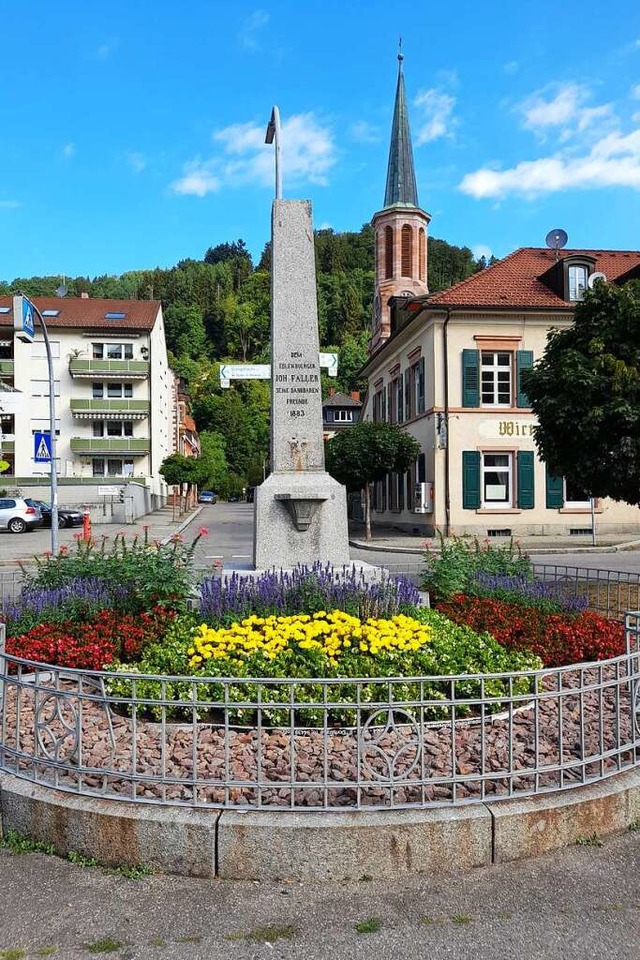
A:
300, 518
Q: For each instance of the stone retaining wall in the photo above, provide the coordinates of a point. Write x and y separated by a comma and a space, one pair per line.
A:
312, 846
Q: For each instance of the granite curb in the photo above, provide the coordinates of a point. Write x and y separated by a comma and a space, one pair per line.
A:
314, 845
383, 546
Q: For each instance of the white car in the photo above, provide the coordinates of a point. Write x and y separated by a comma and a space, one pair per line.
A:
17, 516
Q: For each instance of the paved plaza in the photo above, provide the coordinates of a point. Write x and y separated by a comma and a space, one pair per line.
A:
581, 902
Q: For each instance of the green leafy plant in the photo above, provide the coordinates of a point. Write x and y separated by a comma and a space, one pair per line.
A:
370, 925
451, 568
139, 573
105, 945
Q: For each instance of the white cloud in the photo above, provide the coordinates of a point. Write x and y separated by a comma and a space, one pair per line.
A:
612, 161
511, 67
198, 180
565, 107
593, 150
137, 161
481, 250
251, 27
308, 153
364, 132
9, 204
68, 151
436, 115
635, 92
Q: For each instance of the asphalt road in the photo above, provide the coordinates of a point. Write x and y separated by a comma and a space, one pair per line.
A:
581, 902
231, 540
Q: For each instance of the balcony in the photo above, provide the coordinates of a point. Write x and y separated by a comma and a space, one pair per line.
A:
110, 409
104, 446
6, 368
7, 445
79, 368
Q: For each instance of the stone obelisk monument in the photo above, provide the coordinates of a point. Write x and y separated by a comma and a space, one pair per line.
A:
300, 511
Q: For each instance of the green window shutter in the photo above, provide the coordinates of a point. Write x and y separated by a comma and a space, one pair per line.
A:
470, 479
555, 491
470, 378
524, 361
526, 490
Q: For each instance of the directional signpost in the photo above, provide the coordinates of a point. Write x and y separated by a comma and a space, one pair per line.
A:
262, 371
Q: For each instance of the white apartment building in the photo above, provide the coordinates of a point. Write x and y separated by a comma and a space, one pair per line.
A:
113, 395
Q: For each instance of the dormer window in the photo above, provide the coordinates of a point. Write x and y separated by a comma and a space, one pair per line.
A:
578, 276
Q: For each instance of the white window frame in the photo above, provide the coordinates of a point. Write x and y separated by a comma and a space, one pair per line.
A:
577, 289
343, 416
494, 368
485, 468
39, 350
101, 351
574, 504
40, 388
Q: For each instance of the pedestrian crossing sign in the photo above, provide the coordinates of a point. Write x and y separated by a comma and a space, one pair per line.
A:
42, 447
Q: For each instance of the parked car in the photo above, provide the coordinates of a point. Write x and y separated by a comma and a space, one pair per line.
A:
16, 515
66, 517
207, 496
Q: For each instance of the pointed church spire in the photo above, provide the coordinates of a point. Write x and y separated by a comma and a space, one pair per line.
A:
401, 178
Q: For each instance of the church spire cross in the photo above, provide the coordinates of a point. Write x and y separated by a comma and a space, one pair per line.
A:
401, 178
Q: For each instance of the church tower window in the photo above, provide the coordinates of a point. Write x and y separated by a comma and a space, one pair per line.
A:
407, 251
388, 253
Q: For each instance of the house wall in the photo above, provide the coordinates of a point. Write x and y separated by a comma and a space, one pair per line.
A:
31, 378
483, 429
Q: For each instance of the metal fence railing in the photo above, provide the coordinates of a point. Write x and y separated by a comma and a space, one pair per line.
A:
317, 744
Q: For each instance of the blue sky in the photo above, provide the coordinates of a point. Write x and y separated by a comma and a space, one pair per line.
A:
133, 132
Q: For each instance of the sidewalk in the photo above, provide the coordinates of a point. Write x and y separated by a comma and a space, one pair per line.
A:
388, 540
161, 525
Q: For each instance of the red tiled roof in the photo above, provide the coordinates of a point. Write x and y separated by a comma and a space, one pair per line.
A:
514, 281
90, 313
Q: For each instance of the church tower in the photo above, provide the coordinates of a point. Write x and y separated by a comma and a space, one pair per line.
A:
400, 228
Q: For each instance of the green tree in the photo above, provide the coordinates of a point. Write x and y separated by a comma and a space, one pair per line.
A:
585, 392
368, 452
213, 469
184, 328
180, 471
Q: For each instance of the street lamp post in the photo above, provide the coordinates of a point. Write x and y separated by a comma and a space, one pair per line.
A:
273, 135
52, 419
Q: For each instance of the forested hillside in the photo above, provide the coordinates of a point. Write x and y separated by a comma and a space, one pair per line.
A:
217, 309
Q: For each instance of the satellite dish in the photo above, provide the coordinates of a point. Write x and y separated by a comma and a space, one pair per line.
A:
556, 239
593, 279
61, 291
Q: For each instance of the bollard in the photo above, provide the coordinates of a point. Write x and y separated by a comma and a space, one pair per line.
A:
86, 525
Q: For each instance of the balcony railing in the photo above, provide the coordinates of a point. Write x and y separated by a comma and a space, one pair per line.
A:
6, 368
120, 369
110, 409
102, 446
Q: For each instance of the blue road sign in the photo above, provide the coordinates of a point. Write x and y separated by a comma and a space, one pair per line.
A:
23, 318
42, 447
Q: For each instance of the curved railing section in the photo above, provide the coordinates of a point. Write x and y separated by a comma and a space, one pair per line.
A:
317, 744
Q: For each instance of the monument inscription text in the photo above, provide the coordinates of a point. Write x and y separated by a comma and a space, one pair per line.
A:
296, 380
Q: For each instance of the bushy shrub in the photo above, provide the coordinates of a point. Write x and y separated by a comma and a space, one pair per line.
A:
224, 600
452, 568
327, 645
136, 574
558, 639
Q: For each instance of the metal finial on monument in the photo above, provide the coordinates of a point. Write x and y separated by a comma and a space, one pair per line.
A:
273, 134
400, 53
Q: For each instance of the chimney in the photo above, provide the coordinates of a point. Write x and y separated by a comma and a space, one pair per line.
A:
355, 395
84, 296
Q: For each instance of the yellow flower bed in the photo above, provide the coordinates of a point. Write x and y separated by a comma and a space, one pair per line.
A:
333, 634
